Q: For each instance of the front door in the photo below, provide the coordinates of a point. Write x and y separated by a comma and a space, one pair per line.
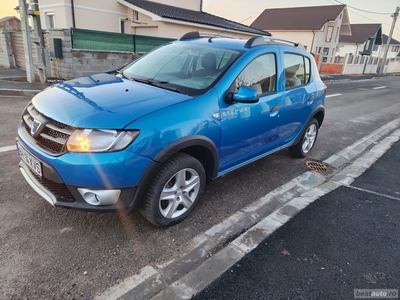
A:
250, 130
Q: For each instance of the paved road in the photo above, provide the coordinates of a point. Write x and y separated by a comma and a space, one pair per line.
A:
63, 254
348, 239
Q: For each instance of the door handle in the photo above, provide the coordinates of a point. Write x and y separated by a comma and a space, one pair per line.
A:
274, 110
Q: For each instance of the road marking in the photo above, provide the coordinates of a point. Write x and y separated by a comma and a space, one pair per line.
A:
333, 95
379, 87
8, 148
372, 192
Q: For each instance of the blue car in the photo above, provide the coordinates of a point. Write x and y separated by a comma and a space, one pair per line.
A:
150, 135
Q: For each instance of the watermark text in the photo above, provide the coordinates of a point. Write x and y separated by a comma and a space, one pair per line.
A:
376, 293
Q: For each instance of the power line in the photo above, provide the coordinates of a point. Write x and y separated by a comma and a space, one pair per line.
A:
370, 12
353, 12
370, 19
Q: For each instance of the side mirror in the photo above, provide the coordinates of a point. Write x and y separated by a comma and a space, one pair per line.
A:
246, 95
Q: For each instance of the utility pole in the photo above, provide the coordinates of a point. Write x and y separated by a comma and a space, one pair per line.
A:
38, 40
395, 15
26, 38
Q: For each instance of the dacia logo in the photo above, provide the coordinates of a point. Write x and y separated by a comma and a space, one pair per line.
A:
35, 126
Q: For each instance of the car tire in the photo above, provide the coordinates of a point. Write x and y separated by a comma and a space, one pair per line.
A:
175, 191
307, 141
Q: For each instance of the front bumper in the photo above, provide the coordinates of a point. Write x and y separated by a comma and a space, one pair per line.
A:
68, 196
78, 180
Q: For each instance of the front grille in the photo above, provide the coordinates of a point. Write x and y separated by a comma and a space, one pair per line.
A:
49, 135
60, 190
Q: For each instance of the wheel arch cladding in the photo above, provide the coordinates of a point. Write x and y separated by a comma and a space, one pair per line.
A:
200, 147
319, 116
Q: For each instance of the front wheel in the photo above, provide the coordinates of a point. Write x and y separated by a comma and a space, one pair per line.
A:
174, 191
307, 141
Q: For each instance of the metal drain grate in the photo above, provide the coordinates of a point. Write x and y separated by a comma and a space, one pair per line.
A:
315, 165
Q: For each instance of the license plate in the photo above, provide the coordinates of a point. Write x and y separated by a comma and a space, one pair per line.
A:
33, 163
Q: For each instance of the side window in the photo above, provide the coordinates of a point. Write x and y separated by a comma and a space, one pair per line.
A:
297, 70
259, 74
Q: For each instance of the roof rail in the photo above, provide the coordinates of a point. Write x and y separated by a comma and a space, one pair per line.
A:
197, 34
261, 40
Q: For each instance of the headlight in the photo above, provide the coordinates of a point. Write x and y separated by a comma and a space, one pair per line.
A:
96, 140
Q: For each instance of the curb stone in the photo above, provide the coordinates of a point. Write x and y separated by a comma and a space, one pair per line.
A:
243, 231
19, 92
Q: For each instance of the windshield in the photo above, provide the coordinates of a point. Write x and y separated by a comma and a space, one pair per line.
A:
186, 68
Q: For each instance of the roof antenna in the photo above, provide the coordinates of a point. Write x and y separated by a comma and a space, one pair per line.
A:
209, 40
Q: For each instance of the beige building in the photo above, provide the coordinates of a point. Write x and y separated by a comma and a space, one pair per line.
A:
393, 51
364, 40
10, 22
318, 28
161, 18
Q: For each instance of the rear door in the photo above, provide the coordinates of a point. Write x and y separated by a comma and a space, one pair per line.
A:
298, 96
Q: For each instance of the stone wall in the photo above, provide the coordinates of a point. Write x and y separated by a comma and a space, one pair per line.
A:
76, 63
6, 57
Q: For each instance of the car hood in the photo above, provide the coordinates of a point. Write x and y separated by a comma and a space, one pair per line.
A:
102, 101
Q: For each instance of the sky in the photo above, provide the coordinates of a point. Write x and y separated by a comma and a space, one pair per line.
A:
246, 11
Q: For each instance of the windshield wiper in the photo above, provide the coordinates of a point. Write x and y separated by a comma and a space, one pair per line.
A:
160, 84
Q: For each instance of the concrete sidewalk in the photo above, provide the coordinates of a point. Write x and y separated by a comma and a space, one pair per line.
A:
221, 248
13, 82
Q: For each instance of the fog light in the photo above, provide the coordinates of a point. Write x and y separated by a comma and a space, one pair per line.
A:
100, 197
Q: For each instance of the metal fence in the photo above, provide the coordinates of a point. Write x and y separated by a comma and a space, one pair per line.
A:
110, 41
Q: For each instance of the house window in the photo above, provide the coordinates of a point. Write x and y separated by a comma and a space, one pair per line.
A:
395, 48
324, 59
135, 15
122, 23
326, 51
337, 35
329, 34
49, 19
376, 48
367, 45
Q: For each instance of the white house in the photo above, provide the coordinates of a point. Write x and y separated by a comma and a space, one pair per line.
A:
394, 48
363, 40
318, 28
161, 18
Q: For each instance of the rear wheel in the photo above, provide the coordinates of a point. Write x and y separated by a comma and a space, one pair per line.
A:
307, 141
174, 191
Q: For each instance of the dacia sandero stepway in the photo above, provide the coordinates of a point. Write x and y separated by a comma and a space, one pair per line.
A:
150, 135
